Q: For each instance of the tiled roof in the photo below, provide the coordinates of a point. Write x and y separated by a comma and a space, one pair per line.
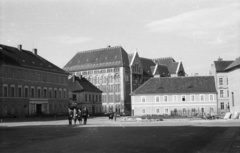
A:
23, 58
97, 59
222, 65
164, 61
177, 85
81, 84
234, 64
169, 62
147, 64
162, 70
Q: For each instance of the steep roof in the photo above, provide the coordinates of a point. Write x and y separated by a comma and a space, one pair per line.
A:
147, 64
169, 62
173, 85
97, 59
234, 64
23, 58
130, 56
162, 70
222, 65
81, 84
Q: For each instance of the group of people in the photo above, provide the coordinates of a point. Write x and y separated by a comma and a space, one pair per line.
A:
75, 114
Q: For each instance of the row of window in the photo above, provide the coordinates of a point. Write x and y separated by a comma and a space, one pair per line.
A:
33, 92
90, 72
109, 88
111, 98
92, 98
104, 79
223, 94
35, 76
165, 98
220, 81
175, 110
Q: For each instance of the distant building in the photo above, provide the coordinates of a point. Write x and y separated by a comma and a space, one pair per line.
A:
107, 69
175, 68
85, 94
30, 85
165, 95
222, 83
117, 73
234, 85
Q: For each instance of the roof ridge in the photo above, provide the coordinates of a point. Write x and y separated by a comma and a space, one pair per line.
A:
99, 49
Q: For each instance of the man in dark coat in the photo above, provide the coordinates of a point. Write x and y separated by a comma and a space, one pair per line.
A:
70, 116
85, 115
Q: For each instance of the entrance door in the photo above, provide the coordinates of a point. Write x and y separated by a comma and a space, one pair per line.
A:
38, 109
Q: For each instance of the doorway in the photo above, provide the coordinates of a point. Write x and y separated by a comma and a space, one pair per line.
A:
38, 109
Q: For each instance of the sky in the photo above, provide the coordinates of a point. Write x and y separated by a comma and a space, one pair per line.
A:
196, 32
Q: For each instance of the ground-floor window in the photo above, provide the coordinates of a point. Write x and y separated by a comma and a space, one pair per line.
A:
166, 110
157, 111
143, 111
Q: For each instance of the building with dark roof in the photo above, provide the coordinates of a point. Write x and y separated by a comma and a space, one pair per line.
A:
170, 94
233, 71
107, 69
30, 85
85, 94
221, 82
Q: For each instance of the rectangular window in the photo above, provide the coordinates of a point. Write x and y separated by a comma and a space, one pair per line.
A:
26, 92
165, 98
233, 99
221, 93
12, 91
166, 110
96, 98
39, 93
45, 93
143, 99
211, 97
93, 98
74, 97
157, 99
193, 110
220, 81
5, 91
143, 111
201, 97
184, 110
19, 91
32, 92
183, 98
227, 93
55, 93
100, 99
64, 94
222, 105
60, 93
85, 97
89, 98
157, 111
174, 98
50, 93
192, 98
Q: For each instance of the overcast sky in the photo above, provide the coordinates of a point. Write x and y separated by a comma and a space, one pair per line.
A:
197, 32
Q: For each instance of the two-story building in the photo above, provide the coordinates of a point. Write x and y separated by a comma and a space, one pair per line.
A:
234, 85
85, 94
222, 83
30, 85
163, 95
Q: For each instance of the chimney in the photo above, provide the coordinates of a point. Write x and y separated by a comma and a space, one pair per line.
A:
20, 47
35, 51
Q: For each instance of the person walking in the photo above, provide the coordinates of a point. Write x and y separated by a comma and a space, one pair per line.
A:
85, 115
79, 115
70, 116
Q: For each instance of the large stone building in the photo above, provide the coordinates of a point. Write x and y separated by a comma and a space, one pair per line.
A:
85, 94
222, 84
234, 85
108, 69
163, 95
117, 73
30, 85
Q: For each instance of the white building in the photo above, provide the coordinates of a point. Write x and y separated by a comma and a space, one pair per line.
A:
234, 85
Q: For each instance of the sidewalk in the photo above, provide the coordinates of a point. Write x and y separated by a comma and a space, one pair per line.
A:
104, 121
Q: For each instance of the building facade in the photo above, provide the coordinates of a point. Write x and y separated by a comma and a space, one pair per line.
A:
222, 84
30, 85
85, 94
165, 95
107, 69
234, 85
